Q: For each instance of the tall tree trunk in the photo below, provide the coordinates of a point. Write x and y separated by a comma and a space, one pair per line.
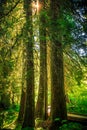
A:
49, 76
23, 92
58, 103
29, 110
41, 106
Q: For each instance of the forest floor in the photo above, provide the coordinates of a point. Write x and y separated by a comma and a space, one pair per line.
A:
75, 122
45, 125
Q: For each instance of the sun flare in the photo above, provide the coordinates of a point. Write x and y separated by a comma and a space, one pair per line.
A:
35, 6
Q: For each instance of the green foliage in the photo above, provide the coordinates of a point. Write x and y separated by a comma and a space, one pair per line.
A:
16, 107
27, 128
18, 126
8, 117
78, 100
64, 121
79, 76
71, 126
57, 119
12, 35
39, 128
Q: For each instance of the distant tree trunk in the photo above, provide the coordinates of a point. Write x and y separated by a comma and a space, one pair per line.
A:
41, 106
22, 106
29, 121
23, 92
5, 95
58, 103
49, 76
23, 99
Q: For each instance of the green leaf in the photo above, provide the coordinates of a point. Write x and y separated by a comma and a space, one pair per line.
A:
57, 119
64, 121
28, 128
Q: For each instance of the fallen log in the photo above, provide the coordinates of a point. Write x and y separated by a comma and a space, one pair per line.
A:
77, 118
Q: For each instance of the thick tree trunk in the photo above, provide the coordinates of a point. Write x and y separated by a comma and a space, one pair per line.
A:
29, 110
41, 106
42, 94
58, 103
58, 94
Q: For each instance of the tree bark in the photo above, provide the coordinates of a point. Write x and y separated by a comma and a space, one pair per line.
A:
23, 92
58, 103
29, 110
22, 106
41, 106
